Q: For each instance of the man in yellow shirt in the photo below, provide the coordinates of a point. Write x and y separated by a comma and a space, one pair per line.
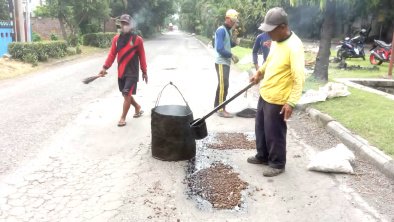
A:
281, 81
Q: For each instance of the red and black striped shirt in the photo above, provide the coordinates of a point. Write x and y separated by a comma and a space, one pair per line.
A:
130, 56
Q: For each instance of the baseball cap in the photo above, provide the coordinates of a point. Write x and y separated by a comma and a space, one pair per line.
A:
125, 18
232, 14
274, 17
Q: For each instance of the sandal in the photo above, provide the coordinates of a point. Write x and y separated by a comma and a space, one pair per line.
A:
225, 114
139, 114
121, 124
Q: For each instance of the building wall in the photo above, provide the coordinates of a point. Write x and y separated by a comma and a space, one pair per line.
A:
45, 27
6, 34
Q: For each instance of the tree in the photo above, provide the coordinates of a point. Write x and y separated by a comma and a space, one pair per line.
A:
4, 13
361, 7
75, 15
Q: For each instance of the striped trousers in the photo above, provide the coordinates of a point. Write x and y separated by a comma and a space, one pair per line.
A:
223, 73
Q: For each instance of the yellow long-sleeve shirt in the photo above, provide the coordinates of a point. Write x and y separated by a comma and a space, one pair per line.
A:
283, 72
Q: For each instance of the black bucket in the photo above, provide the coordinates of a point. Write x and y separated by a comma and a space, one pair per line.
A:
172, 138
199, 129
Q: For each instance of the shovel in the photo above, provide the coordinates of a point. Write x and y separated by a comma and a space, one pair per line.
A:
199, 127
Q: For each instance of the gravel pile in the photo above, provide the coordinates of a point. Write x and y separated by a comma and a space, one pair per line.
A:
230, 141
219, 185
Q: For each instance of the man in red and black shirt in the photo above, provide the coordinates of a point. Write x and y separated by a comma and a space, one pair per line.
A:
129, 49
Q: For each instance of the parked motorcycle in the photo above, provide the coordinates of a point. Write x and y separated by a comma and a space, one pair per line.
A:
353, 47
380, 52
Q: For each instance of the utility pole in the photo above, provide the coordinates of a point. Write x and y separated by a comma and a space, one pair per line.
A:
28, 25
390, 74
19, 21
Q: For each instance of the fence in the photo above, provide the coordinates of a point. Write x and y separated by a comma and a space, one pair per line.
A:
6, 36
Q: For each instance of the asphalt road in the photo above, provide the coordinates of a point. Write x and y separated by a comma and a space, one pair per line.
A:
62, 158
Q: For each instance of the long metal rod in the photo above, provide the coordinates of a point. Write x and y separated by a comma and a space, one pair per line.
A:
223, 104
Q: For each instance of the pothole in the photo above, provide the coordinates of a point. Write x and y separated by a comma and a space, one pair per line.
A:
212, 178
219, 185
230, 141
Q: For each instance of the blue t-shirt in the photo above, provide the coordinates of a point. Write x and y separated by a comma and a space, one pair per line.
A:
259, 47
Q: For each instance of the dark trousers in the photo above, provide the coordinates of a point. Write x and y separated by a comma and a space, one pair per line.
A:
223, 72
271, 132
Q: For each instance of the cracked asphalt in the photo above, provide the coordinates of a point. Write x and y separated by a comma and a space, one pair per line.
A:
62, 158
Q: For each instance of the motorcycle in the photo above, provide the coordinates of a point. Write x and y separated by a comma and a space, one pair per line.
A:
380, 52
352, 47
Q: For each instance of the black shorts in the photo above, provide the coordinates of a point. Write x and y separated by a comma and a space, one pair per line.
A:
128, 85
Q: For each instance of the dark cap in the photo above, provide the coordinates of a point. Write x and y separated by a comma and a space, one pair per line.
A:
125, 18
274, 17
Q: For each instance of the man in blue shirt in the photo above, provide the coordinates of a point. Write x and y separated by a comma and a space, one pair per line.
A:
261, 45
223, 45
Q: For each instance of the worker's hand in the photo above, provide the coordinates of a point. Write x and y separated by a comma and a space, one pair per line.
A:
257, 67
102, 73
237, 41
145, 77
256, 78
235, 59
287, 110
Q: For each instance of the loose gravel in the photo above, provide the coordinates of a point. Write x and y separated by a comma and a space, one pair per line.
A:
230, 141
219, 185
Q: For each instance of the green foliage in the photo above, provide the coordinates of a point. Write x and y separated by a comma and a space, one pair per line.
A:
246, 43
101, 40
204, 16
42, 11
71, 51
78, 49
77, 15
4, 13
37, 51
54, 37
35, 37
73, 40
366, 114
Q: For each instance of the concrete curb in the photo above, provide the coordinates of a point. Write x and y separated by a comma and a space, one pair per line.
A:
356, 143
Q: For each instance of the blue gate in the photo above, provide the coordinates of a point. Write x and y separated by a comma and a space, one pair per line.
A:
6, 34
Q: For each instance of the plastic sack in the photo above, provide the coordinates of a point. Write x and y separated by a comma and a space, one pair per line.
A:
334, 160
313, 96
335, 90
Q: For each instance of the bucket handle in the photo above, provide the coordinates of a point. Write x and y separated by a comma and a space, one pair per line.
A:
161, 92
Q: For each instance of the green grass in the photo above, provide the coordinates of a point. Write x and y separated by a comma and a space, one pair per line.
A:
366, 114
203, 39
242, 52
338, 73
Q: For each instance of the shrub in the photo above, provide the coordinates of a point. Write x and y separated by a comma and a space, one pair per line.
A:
78, 49
37, 51
35, 37
246, 43
54, 37
73, 40
101, 40
71, 51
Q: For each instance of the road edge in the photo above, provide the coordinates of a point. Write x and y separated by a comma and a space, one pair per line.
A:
360, 146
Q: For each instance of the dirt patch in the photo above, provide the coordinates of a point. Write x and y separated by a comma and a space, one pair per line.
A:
230, 141
11, 68
219, 185
345, 66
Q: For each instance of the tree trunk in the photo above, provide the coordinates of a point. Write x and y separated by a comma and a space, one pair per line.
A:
327, 32
62, 27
